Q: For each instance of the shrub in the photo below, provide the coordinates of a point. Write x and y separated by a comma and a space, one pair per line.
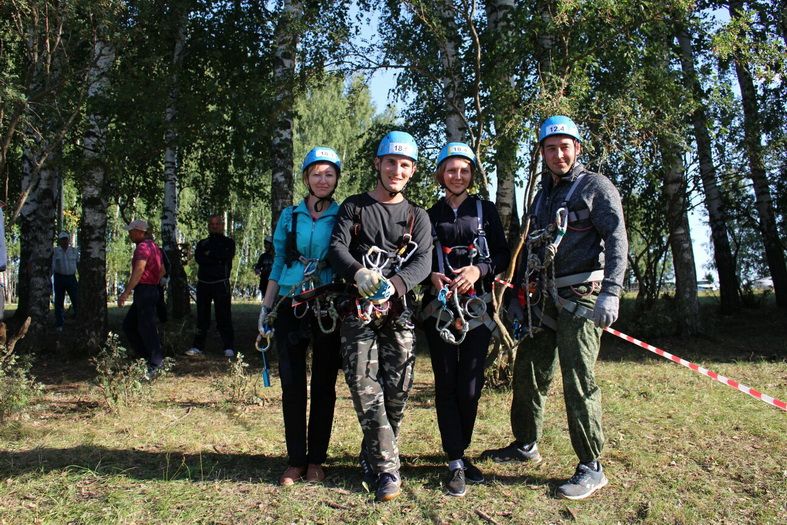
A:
120, 379
18, 389
237, 385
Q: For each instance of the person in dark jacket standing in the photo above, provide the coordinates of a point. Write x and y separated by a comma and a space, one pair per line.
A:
572, 274
470, 248
214, 257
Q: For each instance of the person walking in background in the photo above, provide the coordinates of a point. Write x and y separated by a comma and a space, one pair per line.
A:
264, 264
573, 274
470, 249
140, 322
302, 237
64, 269
214, 257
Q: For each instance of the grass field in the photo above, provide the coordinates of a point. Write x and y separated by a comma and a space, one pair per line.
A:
680, 447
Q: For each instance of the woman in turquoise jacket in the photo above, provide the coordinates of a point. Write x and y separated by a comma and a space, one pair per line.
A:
301, 241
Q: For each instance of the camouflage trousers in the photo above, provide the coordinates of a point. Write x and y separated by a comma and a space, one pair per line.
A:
379, 361
575, 345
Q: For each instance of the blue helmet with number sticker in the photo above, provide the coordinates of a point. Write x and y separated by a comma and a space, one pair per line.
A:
322, 154
456, 149
398, 143
558, 125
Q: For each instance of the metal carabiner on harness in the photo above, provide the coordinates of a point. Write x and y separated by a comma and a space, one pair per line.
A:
376, 259
330, 311
457, 321
474, 306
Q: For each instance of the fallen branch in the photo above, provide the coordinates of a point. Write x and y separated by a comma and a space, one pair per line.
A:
486, 517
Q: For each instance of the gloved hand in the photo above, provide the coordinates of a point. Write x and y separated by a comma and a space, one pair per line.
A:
367, 281
262, 322
515, 312
384, 291
606, 311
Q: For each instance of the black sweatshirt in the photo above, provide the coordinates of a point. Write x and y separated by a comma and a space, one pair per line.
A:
214, 256
381, 225
461, 229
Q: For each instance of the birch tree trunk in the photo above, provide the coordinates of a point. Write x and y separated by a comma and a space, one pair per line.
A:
92, 313
37, 227
675, 197
503, 94
455, 127
714, 204
774, 250
178, 283
286, 40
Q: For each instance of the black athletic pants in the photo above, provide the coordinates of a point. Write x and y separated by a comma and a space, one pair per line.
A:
220, 295
458, 379
292, 337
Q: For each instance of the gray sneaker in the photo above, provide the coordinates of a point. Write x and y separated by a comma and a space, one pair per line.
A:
193, 352
514, 452
583, 483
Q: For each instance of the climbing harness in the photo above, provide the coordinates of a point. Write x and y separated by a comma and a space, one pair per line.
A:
456, 312
539, 278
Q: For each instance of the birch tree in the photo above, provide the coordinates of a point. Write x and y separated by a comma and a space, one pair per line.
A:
93, 224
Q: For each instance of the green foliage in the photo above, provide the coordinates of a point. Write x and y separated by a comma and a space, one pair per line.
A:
120, 380
18, 389
237, 385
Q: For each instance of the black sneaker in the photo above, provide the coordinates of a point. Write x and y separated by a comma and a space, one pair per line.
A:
367, 472
583, 483
387, 487
472, 473
455, 483
513, 452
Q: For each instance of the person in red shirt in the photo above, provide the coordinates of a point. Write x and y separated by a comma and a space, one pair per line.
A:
140, 322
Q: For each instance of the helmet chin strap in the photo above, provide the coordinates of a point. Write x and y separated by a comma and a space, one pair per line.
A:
321, 201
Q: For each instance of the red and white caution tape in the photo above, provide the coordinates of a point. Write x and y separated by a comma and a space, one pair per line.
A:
704, 371
504, 283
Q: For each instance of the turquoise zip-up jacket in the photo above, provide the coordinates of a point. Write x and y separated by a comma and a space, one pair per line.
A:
313, 241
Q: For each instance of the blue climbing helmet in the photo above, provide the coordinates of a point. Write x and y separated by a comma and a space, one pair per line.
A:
558, 125
398, 143
456, 149
322, 154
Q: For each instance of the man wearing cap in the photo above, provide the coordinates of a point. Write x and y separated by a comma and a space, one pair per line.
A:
576, 258
378, 339
265, 264
214, 257
140, 322
64, 268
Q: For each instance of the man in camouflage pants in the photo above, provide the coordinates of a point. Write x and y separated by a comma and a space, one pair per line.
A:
573, 271
378, 341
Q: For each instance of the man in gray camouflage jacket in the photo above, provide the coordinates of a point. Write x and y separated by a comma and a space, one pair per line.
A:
573, 273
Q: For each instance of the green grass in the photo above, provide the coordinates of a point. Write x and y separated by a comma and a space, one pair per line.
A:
680, 447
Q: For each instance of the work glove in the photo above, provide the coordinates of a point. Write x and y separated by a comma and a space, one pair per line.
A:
262, 322
606, 311
367, 281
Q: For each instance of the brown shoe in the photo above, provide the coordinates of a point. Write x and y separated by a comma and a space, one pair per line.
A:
315, 473
291, 475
